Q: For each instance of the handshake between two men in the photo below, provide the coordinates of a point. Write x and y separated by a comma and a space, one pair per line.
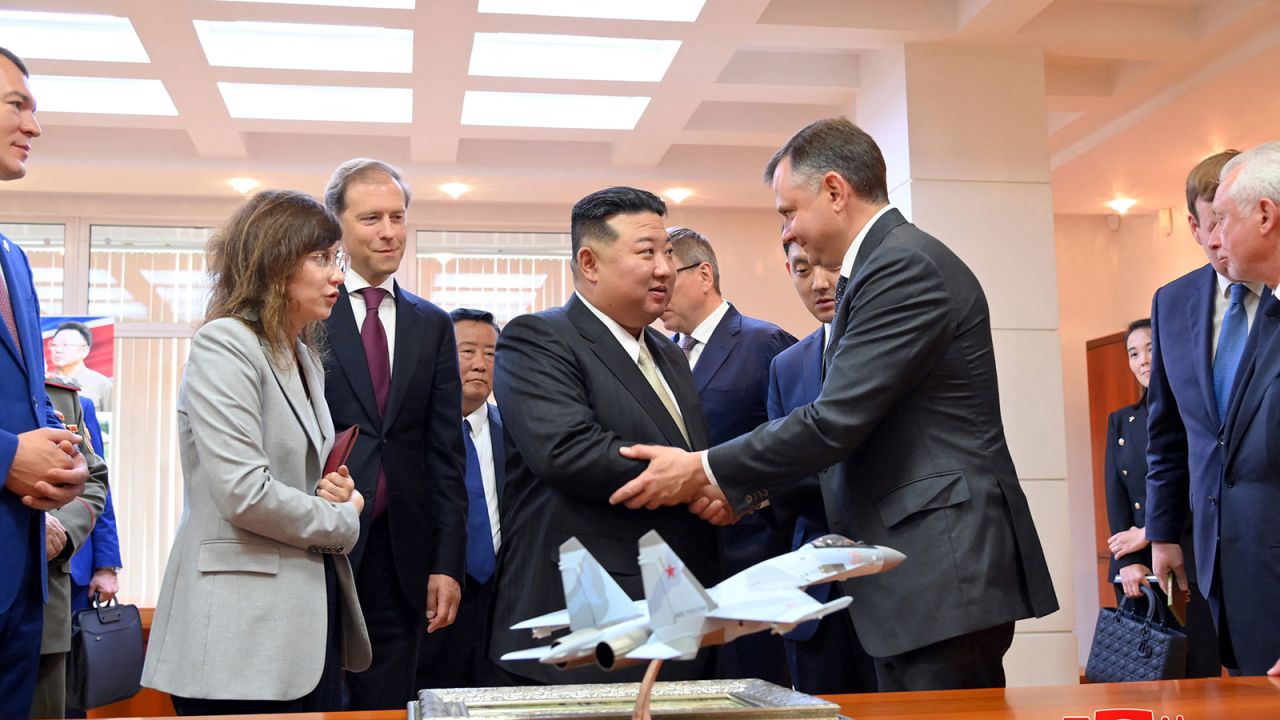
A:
674, 477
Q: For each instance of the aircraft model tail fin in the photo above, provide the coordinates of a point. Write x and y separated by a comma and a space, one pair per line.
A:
678, 603
593, 597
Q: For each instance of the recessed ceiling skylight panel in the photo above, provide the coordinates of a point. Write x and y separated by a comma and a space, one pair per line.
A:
571, 57
298, 46
71, 36
255, 101
548, 110
671, 10
104, 96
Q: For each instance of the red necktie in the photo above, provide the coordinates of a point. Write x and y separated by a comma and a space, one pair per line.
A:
6, 312
373, 336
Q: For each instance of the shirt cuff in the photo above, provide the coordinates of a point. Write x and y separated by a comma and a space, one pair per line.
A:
706, 467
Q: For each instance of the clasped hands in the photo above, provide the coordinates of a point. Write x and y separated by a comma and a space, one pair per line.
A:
674, 477
339, 487
48, 470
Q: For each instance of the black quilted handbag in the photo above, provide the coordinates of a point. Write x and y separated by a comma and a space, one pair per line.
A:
1128, 647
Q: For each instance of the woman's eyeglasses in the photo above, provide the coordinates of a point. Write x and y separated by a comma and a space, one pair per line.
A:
330, 260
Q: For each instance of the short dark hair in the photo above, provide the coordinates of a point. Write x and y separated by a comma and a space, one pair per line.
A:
359, 170
79, 327
1136, 325
835, 145
458, 315
1202, 181
22, 67
591, 215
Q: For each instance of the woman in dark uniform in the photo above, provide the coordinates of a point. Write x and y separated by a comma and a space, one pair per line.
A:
1126, 480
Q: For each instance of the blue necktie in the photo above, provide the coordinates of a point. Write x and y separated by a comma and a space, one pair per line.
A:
480, 558
1231, 340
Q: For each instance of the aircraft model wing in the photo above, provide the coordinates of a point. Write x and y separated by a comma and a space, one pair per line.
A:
682, 647
779, 608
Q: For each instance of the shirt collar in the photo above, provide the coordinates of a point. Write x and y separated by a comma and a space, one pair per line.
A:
630, 343
846, 267
703, 332
478, 419
1224, 284
356, 282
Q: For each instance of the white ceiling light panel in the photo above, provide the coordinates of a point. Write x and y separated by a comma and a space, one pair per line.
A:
298, 46
253, 101
71, 36
387, 4
101, 96
571, 57
547, 110
671, 10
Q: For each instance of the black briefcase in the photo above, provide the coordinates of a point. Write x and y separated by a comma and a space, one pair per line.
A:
105, 663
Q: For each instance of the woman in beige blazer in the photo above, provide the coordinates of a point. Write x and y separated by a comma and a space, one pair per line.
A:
258, 610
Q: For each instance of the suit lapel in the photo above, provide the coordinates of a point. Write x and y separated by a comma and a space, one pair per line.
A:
685, 396
624, 367
721, 343
811, 366
1261, 364
290, 382
499, 449
7, 266
411, 327
313, 372
1200, 321
344, 343
875, 237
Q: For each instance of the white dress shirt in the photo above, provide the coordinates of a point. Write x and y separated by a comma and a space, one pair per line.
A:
631, 346
484, 450
705, 329
386, 310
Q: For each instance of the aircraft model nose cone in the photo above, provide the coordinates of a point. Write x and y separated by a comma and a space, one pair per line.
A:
892, 558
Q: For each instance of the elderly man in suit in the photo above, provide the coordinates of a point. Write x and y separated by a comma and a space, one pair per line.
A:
824, 656
41, 467
67, 531
909, 416
393, 371
575, 384
1193, 367
455, 656
730, 355
1234, 509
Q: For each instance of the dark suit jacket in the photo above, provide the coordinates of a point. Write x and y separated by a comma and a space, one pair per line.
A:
909, 415
1183, 454
571, 397
24, 406
1126, 485
732, 374
419, 442
1246, 502
795, 380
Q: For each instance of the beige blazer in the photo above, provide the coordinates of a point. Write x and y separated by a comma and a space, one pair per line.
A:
242, 610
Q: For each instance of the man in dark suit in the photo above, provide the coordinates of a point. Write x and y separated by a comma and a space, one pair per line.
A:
41, 467
575, 384
909, 416
455, 656
824, 655
1235, 552
730, 355
393, 370
1190, 387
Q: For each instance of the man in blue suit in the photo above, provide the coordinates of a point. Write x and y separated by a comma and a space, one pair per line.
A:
456, 656
1190, 388
95, 566
1234, 511
729, 354
42, 469
824, 656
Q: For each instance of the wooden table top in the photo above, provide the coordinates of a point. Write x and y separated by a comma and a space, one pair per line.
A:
1254, 698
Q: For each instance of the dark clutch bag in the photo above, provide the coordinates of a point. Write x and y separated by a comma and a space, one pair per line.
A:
342, 444
1128, 647
105, 663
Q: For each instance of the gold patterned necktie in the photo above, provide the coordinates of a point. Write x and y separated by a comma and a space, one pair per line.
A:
650, 372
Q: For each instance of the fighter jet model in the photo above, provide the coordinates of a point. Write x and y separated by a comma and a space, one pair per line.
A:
678, 616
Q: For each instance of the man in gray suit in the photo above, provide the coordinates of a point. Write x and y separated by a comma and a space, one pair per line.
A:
909, 416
